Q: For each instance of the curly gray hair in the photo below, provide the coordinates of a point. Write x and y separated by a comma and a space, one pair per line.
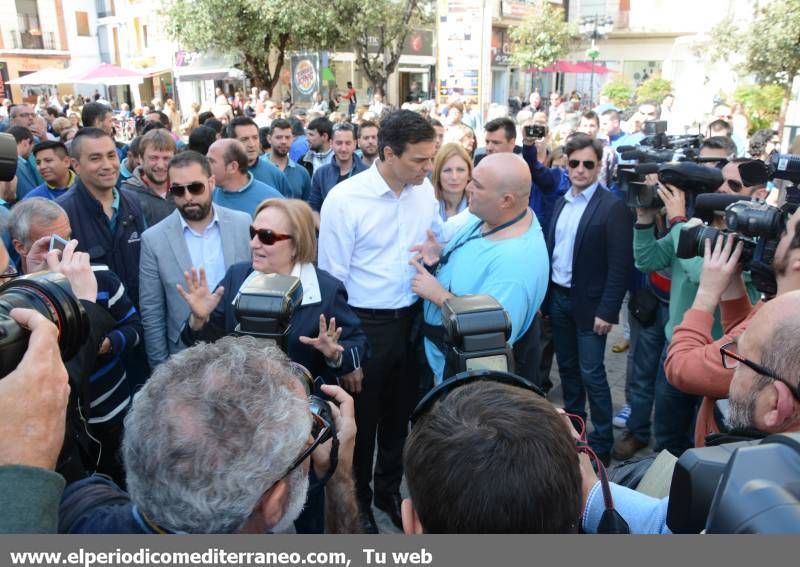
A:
212, 430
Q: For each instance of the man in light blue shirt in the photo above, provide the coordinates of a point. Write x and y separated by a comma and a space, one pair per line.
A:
500, 252
298, 179
236, 187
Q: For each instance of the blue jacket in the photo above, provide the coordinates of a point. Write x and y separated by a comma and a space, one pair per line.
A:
119, 250
546, 186
602, 258
332, 302
326, 178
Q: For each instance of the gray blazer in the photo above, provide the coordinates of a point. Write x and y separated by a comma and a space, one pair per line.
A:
164, 259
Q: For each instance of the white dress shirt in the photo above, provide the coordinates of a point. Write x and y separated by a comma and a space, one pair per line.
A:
205, 249
566, 231
365, 234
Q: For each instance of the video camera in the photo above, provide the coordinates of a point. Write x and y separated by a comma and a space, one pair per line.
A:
689, 177
658, 147
746, 487
757, 225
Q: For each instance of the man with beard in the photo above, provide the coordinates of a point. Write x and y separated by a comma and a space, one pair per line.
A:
693, 363
150, 181
318, 135
246, 131
368, 142
198, 234
280, 140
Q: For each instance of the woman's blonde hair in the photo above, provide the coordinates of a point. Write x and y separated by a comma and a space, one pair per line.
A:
302, 222
445, 153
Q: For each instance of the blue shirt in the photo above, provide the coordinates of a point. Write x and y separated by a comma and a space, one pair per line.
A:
298, 179
205, 250
513, 271
566, 231
644, 514
298, 149
247, 198
47, 191
268, 173
443, 207
112, 222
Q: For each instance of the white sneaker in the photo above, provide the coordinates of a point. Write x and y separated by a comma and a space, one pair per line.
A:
621, 419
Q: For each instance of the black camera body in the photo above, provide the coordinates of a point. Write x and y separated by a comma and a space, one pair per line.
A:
536, 131
745, 487
756, 225
265, 304
689, 177
8, 157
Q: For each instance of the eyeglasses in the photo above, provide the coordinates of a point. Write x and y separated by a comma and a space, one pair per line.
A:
731, 359
195, 188
735, 186
588, 164
266, 236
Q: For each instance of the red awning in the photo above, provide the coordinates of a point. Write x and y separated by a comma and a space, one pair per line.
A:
573, 67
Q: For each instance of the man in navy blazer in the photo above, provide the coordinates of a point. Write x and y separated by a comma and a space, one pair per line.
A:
591, 253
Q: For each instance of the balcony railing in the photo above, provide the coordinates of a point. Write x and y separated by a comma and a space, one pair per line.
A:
32, 39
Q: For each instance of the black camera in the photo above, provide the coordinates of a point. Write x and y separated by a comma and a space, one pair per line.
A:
476, 333
536, 131
50, 294
658, 147
265, 304
757, 225
8, 157
691, 178
784, 166
746, 487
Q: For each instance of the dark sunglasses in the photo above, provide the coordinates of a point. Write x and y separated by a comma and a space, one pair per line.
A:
588, 164
266, 236
195, 188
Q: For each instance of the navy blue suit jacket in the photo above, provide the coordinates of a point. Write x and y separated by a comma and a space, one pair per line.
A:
305, 322
602, 258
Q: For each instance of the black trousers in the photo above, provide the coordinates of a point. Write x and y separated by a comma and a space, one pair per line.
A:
389, 394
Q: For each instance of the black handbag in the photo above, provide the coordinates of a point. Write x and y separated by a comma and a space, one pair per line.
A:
643, 305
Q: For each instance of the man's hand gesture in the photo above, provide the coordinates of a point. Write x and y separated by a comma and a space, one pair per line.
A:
201, 301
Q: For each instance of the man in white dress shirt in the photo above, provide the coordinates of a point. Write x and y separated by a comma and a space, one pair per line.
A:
368, 225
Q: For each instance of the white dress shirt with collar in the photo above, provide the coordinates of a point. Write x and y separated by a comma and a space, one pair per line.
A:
205, 249
566, 231
365, 234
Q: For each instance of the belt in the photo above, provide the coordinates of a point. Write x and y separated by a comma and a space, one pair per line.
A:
560, 288
372, 313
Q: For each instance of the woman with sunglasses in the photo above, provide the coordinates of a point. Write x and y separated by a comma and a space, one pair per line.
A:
325, 334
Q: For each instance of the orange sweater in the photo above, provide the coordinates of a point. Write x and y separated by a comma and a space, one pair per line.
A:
694, 364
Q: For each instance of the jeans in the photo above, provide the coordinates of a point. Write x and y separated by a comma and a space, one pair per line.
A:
647, 343
580, 356
673, 422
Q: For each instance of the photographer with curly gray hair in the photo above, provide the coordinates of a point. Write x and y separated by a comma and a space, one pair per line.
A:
217, 441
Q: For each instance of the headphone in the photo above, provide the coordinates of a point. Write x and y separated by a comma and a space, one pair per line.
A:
611, 522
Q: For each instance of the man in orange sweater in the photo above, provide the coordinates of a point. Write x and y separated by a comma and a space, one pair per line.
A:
694, 364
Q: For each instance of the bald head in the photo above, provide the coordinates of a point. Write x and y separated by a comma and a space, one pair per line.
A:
510, 174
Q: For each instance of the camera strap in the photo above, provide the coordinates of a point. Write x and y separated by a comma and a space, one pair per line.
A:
472, 236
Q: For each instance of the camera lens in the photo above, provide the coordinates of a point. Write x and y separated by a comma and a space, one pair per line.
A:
50, 294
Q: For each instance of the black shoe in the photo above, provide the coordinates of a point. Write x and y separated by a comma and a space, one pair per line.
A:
368, 523
391, 505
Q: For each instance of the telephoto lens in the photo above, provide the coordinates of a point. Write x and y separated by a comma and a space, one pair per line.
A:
50, 294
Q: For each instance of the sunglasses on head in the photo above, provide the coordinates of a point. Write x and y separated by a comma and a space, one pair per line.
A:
588, 164
735, 186
195, 188
267, 236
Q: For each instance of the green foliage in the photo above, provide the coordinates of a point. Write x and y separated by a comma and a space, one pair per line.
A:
653, 89
542, 38
769, 46
618, 92
762, 104
253, 29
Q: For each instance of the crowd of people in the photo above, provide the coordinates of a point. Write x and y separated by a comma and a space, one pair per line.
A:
176, 423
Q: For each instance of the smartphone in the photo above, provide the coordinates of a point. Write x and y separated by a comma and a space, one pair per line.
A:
58, 243
536, 131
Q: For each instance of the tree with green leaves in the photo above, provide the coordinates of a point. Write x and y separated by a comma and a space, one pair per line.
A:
761, 104
653, 89
542, 38
618, 92
261, 32
768, 48
376, 31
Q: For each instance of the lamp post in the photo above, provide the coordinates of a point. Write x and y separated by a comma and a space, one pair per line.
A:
594, 28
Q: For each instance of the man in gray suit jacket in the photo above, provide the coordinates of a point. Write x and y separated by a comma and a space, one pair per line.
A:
198, 234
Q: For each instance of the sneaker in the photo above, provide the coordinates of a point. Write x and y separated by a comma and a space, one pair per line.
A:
627, 447
621, 419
